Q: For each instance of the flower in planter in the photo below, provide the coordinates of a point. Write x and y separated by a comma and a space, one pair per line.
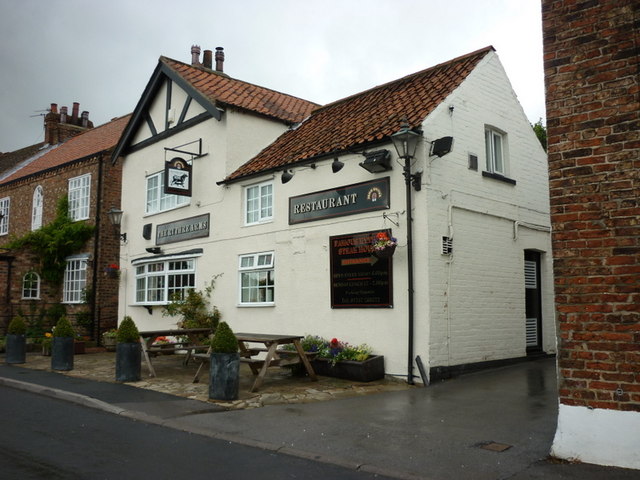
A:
161, 341
112, 270
333, 350
110, 333
384, 241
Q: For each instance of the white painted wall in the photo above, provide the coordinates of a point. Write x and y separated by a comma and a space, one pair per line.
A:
603, 437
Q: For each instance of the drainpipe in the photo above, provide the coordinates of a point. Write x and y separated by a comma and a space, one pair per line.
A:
96, 249
408, 180
9, 259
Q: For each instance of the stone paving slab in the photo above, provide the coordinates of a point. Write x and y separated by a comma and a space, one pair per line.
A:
174, 378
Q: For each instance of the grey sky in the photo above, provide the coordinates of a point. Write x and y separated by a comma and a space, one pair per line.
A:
102, 53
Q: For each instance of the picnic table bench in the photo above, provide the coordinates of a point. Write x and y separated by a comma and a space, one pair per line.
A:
191, 345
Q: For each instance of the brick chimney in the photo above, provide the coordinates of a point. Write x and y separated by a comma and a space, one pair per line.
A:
59, 127
207, 59
195, 55
219, 59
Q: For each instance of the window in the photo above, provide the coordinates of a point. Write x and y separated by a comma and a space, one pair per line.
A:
257, 279
4, 215
31, 286
157, 200
159, 282
79, 189
75, 280
494, 144
36, 208
259, 203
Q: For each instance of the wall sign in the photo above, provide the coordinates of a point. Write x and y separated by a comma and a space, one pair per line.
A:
335, 202
186, 229
359, 279
177, 175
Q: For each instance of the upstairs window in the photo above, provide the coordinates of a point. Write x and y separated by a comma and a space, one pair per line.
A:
36, 208
75, 279
4, 215
157, 200
79, 196
258, 203
494, 145
257, 279
31, 286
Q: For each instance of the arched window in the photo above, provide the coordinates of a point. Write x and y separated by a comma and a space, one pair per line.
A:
36, 209
31, 286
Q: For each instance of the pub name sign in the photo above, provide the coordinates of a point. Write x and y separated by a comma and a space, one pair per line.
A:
340, 201
185, 229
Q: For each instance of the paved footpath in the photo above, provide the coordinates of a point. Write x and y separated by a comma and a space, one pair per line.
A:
496, 424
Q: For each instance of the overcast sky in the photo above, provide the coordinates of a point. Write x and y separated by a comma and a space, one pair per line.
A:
102, 53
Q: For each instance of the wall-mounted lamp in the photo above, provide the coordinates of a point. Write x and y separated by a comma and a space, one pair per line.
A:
115, 217
154, 250
337, 165
377, 162
286, 176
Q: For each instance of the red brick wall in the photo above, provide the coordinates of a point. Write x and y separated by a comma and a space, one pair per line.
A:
591, 65
55, 185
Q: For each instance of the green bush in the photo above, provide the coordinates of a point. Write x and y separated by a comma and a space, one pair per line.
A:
224, 341
17, 326
127, 331
64, 328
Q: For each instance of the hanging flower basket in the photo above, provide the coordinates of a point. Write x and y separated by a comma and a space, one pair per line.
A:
112, 271
384, 246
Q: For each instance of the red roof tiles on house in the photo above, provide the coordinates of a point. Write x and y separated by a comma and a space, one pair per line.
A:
223, 90
370, 116
84, 145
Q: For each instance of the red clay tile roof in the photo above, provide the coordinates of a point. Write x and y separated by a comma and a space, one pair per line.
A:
223, 90
10, 160
366, 117
93, 141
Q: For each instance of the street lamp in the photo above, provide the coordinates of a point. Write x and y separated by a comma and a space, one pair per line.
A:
115, 217
406, 142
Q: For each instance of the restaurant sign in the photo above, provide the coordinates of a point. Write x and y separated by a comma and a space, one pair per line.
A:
186, 229
358, 278
340, 201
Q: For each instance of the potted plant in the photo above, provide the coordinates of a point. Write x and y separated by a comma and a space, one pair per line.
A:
16, 343
112, 270
109, 340
46, 344
128, 351
62, 347
224, 367
384, 246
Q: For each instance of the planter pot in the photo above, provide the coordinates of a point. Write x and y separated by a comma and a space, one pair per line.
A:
62, 353
109, 343
386, 253
16, 349
224, 376
371, 369
128, 362
46, 350
79, 347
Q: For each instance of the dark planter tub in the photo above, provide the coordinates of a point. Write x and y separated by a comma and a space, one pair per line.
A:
369, 370
128, 362
16, 349
224, 372
62, 353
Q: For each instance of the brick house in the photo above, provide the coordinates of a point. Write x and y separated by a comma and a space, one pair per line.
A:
592, 71
73, 161
283, 210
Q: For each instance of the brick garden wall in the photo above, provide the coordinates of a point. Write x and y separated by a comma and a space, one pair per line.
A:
591, 51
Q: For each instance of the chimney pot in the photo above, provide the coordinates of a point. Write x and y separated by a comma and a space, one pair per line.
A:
54, 108
219, 59
85, 119
195, 55
207, 59
74, 113
63, 114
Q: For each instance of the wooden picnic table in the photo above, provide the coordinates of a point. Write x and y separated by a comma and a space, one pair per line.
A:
192, 344
271, 342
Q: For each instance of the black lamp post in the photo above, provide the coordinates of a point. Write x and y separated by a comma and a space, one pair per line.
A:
405, 142
115, 217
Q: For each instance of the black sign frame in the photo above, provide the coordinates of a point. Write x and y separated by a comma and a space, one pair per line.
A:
177, 177
358, 278
340, 201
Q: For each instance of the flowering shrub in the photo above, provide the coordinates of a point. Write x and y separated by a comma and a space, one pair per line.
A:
383, 241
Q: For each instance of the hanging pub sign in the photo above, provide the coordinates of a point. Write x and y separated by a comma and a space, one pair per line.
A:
177, 175
359, 277
336, 202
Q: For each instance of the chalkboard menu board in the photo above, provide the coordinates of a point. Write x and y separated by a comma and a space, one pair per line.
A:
358, 278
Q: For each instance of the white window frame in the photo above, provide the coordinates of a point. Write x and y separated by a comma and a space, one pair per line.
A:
253, 270
495, 150
31, 286
258, 203
75, 279
156, 281
37, 206
79, 197
5, 210
156, 201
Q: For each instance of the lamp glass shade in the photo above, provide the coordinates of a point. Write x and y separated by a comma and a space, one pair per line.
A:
115, 216
405, 142
337, 165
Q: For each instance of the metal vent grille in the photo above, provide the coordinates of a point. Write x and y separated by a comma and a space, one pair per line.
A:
530, 274
447, 245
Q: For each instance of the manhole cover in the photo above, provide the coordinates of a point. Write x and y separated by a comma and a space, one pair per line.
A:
495, 447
